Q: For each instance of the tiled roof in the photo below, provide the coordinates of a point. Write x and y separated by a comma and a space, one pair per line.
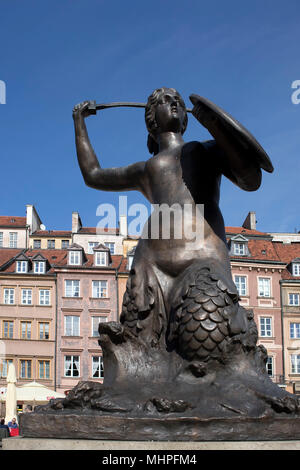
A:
123, 266
51, 233
55, 258
12, 221
245, 232
260, 250
286, 274
287, 252
7, 254
89, 263
52, 256
98, 231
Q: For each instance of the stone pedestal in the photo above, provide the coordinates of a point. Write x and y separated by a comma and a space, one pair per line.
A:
19, 443
181, 429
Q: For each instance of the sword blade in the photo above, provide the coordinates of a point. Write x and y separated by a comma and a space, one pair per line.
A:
94, 106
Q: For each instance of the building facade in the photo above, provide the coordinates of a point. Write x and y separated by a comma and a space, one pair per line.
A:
28, 316
15, 231
289, 253
87, 295
257, 271
89, 237
50, 239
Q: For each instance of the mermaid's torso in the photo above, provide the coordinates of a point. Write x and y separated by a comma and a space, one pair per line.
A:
184, 233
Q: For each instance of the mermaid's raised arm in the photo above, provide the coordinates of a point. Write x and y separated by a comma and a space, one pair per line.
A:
125, 178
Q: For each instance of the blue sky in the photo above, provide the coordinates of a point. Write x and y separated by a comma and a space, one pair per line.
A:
241, 55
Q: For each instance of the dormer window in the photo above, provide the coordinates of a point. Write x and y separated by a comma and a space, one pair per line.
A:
100, 258
39, 267
39, 264
22, 267
76, 255
239, 246
101, 255
75, 258
296, 269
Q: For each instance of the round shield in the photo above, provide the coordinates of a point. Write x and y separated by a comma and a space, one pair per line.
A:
236, 129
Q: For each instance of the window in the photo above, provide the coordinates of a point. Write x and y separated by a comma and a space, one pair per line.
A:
22, 266
294, 330
95, 324
8, 329
25, 329
4, 367
294, 299
9, 296
265, 326
91, 247
65, 243
44, 330
295, 361
240, 282
44, 369
72, 288
239, 248
39, 267
1, 239
36, 244
13, 239
50, 244
26, 297
25, 369
72, 366
74, 257
111, 247
269, 366
100, 289
296, 269
264, 287
100, 258
97, 367
72, 325
44, 297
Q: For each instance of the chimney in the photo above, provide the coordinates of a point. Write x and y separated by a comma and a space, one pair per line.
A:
123, 226
76, 222
250, 221
32, 218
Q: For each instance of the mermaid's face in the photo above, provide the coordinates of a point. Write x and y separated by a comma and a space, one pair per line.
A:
169, 112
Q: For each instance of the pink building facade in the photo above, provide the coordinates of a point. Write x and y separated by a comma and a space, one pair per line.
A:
257, 270
87, 295
28, 315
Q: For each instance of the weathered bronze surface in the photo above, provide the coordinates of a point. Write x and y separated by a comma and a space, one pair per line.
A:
183, 362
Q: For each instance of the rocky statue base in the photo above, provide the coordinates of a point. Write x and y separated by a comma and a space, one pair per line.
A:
206, 381
231, 399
